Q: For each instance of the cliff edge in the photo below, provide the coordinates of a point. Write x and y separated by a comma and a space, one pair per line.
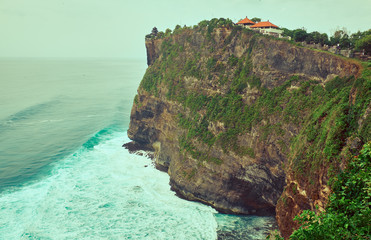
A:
247, 123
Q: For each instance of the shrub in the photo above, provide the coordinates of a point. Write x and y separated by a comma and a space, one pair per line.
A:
347, 215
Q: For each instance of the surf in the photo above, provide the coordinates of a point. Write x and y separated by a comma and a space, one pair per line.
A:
102, 191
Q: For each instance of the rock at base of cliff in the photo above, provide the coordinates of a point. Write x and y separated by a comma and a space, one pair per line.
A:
138, 149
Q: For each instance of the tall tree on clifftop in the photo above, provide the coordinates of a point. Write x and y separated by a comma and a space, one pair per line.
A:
154, 31
256, 19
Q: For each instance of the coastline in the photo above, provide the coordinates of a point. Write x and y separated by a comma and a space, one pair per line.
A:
239, 226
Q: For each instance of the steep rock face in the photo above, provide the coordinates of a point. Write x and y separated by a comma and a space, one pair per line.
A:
240, 184
153, 126
234, 165
153, 49
282, 60
299, 194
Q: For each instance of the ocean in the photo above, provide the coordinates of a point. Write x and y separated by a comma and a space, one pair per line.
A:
64, 173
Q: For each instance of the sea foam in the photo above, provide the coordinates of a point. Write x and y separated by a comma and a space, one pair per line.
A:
103, 192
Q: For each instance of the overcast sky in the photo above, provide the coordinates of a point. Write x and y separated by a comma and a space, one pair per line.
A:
116, 28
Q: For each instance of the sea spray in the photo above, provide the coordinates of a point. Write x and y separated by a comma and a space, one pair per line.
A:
102, 191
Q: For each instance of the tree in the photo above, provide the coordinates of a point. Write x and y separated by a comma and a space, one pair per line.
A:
310, 38
336, 38
324, 39
316, 37
288, 32
361, 40
177, 29
300, 35
341, 38
154, 31
339, 33
203, 23
160, 34
364, 44
256, 19
344, 42
168, 32
356, 36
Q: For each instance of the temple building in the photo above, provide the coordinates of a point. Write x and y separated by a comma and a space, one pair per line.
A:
266, 28
264, 25
245, 22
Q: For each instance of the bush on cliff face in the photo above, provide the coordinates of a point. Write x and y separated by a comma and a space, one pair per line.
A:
347, 215
323, 137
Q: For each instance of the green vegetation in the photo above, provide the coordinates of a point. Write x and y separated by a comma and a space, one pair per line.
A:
364, 43
136, 100
358, 41
256, 19
322, 116
329, 124
210, 25
150, 81
347, 214
325, 113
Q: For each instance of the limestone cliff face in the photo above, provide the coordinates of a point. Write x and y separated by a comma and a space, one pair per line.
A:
153, 49
235, 164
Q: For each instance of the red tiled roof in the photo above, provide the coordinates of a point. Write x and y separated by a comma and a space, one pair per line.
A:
264, 24
245, 21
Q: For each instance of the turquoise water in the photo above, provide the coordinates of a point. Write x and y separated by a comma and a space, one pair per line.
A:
63, 172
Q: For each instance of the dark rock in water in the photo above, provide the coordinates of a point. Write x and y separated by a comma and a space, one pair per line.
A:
135, 147
139, 149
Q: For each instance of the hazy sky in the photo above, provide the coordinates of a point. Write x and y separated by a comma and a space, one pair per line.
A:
116, 28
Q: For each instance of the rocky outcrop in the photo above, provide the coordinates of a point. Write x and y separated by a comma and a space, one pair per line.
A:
153, 49
251, 177
283, 60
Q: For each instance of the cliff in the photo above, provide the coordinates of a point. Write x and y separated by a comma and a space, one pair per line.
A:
247, 123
